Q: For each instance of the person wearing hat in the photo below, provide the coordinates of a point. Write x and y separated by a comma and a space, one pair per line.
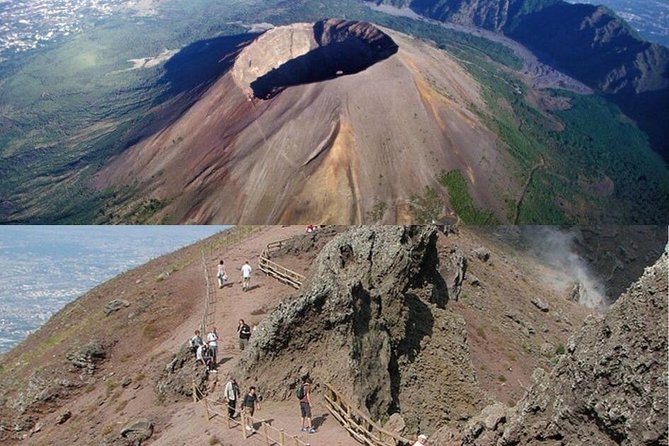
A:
422, 441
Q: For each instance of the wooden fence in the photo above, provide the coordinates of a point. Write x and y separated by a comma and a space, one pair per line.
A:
269, 434
232, 237
281, 273
358, 424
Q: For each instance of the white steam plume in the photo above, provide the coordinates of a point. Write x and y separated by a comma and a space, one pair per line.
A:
556, 248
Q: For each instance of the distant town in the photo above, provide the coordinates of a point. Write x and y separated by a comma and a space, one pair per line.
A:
28, 24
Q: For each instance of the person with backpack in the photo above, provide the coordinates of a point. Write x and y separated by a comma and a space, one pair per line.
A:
244, 332
249, 406
195, 341
303, 393
231, 392
221, 275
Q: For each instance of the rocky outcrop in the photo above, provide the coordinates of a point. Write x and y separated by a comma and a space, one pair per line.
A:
88, 356
610, 388
176, 381
371, 321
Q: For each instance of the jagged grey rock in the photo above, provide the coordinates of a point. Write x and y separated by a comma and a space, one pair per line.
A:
176, 381
540, 304
87, 356
483, 254
115, 305
138, 430
365, 321
454, 270
610, 388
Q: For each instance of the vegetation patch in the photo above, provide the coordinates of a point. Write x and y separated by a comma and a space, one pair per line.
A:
461, 201
428, 207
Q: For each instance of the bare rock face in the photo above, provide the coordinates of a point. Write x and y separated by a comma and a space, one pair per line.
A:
611, 386
176, 381
304, 53
370, 320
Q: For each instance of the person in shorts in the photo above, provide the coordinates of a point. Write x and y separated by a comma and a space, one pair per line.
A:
305, 406
246, 276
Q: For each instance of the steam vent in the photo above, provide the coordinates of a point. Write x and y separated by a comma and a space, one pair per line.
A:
304, 53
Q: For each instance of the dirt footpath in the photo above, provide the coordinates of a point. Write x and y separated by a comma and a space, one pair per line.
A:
188, 425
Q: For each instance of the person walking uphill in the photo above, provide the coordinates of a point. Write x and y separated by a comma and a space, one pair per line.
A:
221, 275
250, 404
244, 332
231, 393
304, 395
246, 276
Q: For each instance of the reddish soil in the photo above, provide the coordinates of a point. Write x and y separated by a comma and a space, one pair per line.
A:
163, 313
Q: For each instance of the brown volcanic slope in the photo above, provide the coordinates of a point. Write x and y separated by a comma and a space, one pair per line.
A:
351, 117
486, 340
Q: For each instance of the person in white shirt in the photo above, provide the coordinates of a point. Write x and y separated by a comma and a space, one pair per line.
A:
203, 355
246, 276
422, 441
212, 340
231, 393
221, 275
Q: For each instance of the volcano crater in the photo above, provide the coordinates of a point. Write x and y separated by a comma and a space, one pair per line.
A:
306, 53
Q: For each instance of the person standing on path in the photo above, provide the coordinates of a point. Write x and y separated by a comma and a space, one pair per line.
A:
246, 276
304, 395
196, 341
231, 393
244, 332
250, 404
221, 275
212, 340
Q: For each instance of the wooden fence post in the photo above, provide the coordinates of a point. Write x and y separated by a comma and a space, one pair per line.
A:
206, 409
282, 438
194, 392
264, 430
244, 425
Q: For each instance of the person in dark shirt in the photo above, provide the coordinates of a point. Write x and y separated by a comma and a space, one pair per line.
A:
305, 406
244, 332
250, 404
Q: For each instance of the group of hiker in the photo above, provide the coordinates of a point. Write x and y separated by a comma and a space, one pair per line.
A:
222, 276
250, 402
206, 351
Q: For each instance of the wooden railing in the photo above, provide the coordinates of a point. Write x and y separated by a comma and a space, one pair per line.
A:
275, 270
361, 427
268, 433
209, 314
231, 237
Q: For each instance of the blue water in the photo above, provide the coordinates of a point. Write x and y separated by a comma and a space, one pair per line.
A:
42, 268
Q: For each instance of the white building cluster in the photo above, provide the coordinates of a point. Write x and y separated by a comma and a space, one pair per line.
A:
26, 24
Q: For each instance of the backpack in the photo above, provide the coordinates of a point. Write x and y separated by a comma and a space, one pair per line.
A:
300, 392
